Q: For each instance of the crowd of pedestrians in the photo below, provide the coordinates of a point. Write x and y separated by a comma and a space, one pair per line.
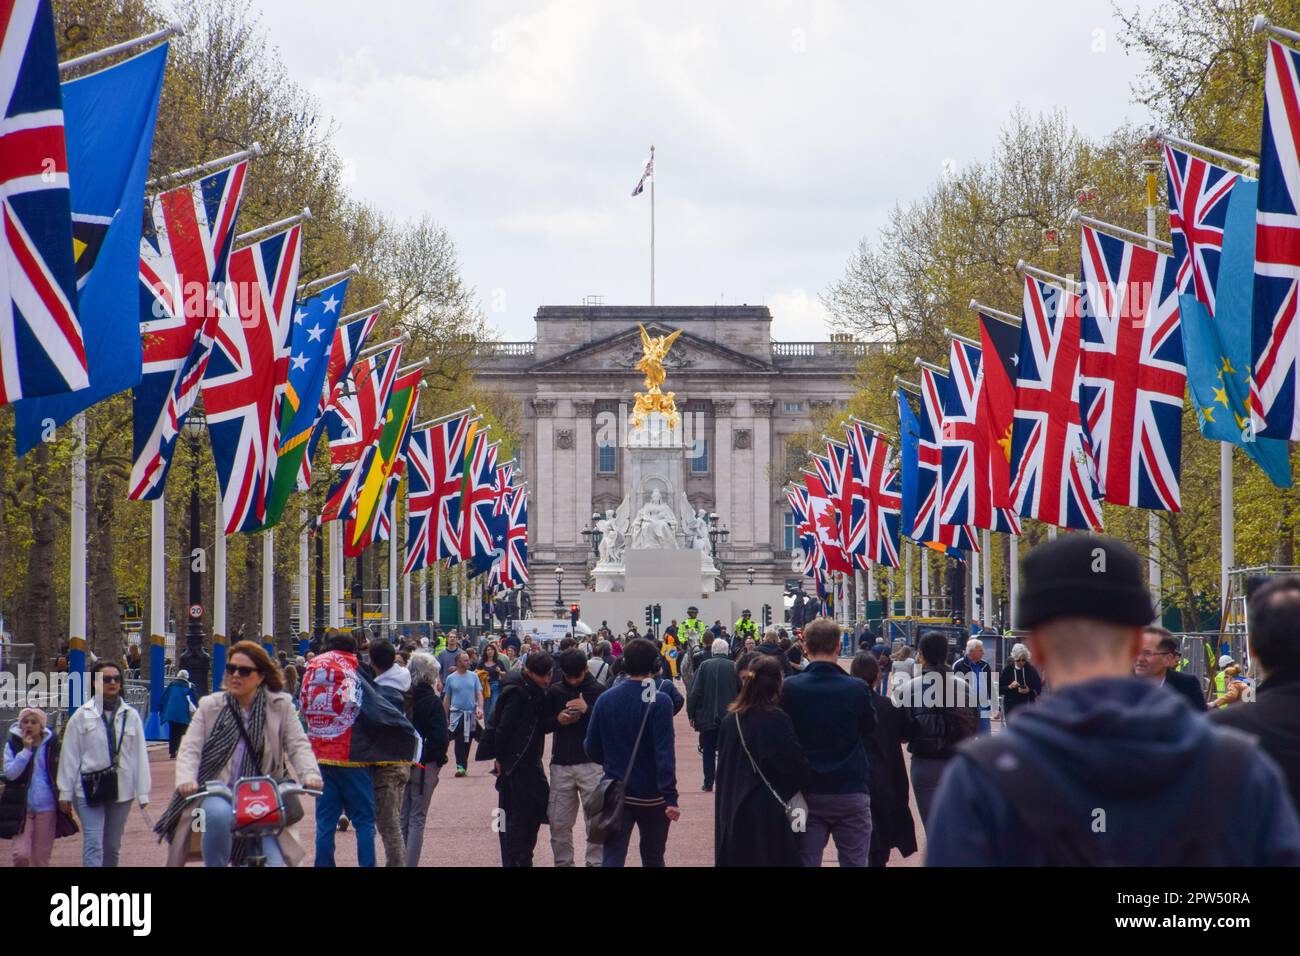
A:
1093, 744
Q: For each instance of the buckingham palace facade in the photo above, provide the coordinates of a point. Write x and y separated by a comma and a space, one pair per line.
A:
741, 395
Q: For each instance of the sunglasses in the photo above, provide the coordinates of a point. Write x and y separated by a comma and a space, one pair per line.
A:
111, 678
233, 669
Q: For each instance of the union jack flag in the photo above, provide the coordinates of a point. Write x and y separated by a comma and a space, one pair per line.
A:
42, 349
501, 488
1275, 333
347, 343
184, 252
476, 542
447, 441
1198, 210
1133, 372
874, 493
797, 495
929, 494
514, 569
1051, 459
967, 471
420, 500
246, 375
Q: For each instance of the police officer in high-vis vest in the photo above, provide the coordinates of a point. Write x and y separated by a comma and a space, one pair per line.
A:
745, 627
691, 630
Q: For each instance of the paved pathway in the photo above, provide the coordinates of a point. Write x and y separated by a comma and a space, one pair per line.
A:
458, 831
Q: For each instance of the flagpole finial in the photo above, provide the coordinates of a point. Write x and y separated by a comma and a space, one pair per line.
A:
1072, 217
306, 212
1259, 24
256, 149
1020, 265
973, 306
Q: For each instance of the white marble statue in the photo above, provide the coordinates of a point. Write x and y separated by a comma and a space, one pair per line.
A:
655, 526
613, 528
698, 531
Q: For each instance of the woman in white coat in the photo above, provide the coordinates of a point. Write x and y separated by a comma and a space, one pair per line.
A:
104, 733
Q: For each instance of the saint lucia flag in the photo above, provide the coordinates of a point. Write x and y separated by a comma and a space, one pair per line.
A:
109, 120
1219, 348
314, 322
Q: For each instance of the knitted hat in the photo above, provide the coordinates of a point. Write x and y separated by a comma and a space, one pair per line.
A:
1082, 575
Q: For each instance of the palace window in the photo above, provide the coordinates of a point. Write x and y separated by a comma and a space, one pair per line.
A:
700, 463
790, 538
792, 407
607, 460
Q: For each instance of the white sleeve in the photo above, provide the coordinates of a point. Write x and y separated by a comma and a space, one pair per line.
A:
143, 780
15, 763
70, 759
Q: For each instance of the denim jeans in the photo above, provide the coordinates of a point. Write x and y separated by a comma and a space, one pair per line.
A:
346, 788
102, 828
652, 823
219, 840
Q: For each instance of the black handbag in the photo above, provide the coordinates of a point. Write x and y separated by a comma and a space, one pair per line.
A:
100, 786
604, 809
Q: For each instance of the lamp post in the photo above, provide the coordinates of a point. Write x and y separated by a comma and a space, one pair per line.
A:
559, 587
594, 535
195, 658
318, 615
749, 572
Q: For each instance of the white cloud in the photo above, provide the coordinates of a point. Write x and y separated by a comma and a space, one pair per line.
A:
784, 131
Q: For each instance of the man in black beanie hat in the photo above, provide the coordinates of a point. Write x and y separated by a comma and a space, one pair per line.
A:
1108, 769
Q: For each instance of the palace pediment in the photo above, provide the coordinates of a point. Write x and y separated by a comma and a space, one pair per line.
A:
619, 353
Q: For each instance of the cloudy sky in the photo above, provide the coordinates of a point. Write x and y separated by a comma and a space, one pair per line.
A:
784, 132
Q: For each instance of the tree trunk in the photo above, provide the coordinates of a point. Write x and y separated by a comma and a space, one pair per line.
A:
1183, 571
105, 621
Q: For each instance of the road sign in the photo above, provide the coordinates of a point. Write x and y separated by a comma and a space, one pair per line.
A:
196, 611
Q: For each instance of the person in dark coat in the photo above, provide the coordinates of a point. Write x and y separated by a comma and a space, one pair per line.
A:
771, 646
713, 689
892, 826
522, 790
1156, 663
1274, 717
758, 753
1019, 682
178, 703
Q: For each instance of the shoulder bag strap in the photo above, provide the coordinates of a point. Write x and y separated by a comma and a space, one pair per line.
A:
113, 751
754, 763
239, 723
645, 716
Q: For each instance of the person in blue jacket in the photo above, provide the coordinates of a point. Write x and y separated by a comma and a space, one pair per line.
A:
1108, 769
178, 703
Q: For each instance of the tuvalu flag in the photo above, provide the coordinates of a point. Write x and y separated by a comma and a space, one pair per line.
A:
380, 464
314, 324
1218, 346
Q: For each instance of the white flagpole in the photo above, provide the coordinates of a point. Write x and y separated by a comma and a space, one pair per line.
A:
1227, 543
157, 568
925, 582
304, 577
1154, 575
219, 573
423, 614
1013, 581
988, 580
654, 174
392, 564
77, 551
437, 591
1051, 532
859, 594
907, 575
974, 585
337, 570
268, 591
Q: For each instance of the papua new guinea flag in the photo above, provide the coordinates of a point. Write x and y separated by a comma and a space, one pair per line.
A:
349, 721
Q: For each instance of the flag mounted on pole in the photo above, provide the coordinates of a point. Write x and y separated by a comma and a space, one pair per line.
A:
1051, 459
1212, 223
514, 569
109, 119
646, 174
1133, 372
184, 255
42, 349
347, 344
825, 520
379, 466
247, 372
999, 345
926, 528
314, 322
874, 492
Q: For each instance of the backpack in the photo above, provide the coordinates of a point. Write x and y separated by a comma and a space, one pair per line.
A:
606, 672
1060, 826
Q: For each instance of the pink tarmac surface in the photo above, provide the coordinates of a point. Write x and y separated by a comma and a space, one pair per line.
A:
458, 831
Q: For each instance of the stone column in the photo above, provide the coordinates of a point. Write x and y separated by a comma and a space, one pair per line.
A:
762, 470
544, 483
743, 480
722, 441
584, 464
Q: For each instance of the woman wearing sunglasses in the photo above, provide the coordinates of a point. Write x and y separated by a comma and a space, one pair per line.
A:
249, 729
104, 766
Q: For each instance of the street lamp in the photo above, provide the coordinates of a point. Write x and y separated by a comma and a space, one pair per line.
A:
594, 534
559, 586
750, 573
195, 658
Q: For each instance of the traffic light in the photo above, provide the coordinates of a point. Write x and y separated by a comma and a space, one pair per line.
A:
767, 616
649, 616
658, 615
573, 614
